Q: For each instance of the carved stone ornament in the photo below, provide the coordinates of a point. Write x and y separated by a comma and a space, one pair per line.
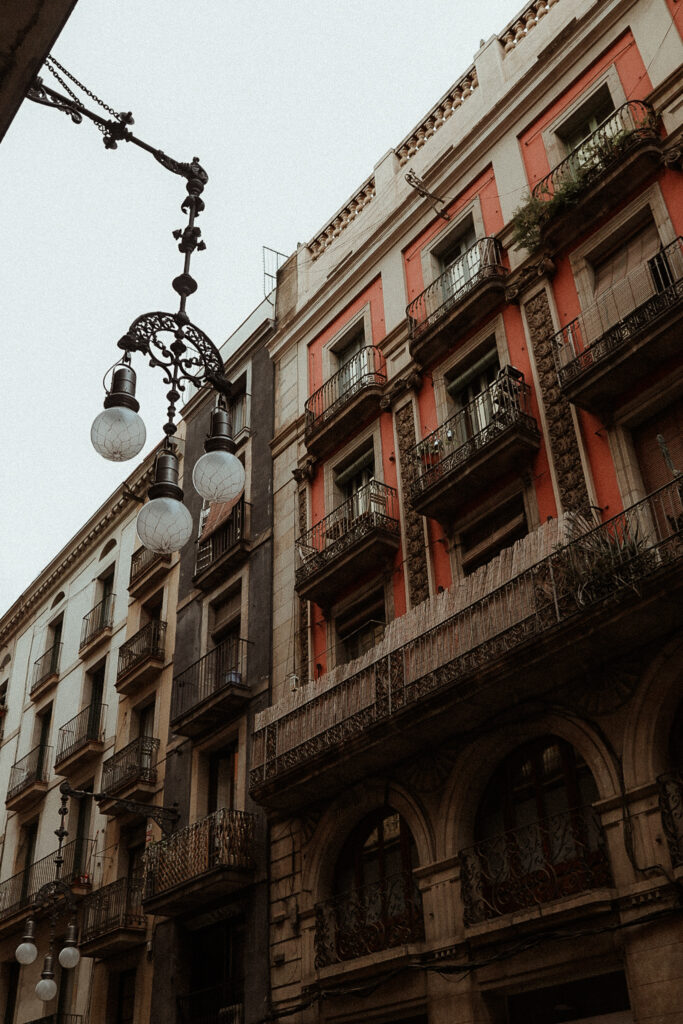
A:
428, 772
529, 275
415, 555
606, 688
306, 471
411, 382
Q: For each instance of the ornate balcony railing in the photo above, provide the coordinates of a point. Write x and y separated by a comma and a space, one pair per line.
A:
142, 560
502, 405
225, 665
34, 767
622, 312
671, 809
114, 906
378, 916
136, 762
559, 856
98, 619
483, 261
46, 665
20, 890
610, 561
59, 1018
365, 368
225, 838
231, 532
220, 1004
85, 727
148, 642
373, 506
603, 148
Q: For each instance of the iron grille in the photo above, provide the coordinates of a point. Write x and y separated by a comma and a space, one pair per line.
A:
34, 767
98, 619
671, 809
86, 727
115, 906
142, 560
366, 368
148, 642
133, 763
223, 667
47, 665
228, 534
20, 890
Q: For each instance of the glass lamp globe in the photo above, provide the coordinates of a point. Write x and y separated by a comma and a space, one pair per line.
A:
218, 476
118, 434
164, 525
26, 952
69, 957
46, 989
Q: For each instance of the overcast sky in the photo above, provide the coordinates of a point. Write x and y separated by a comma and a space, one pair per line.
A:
288, 104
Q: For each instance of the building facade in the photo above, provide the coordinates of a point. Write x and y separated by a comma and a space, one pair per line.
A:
472, 759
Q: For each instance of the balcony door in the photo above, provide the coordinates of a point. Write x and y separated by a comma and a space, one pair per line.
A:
353, 365
353, 483
216, 975
473, 397
459, 263
222, 770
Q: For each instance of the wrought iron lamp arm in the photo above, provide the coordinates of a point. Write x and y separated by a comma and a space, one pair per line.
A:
165, 817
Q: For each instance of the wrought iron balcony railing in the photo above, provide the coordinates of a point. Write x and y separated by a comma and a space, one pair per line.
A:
136, 762
229, 533
224, 666
671, 809
225, 838
379, 916
483, 261
364, 369
114, 906
602, 149
611, 560
629, 307
220, 1004
373, 506
46, 665
559, 856
502, 405
34, 767
148, 642
142, 560
20, 890
101, 617
85, 727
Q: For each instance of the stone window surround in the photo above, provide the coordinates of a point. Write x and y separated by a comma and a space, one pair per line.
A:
354, 447
330, 363
430, 255
553, 142
495, 331
239, 578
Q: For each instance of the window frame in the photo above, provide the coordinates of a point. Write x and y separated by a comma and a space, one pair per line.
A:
553, 134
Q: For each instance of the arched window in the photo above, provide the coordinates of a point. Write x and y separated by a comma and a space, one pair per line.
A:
538, 838
376, 904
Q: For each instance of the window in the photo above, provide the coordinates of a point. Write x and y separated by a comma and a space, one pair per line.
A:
216, 974
238, 413
54, 639
123, 996
353, 363
584, 121
3, 706
360, 628
352, 483
472, 395
497, 530
222, 771
459, 261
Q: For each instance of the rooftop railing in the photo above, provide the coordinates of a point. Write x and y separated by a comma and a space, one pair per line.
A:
20, 890
608, 561
670, 787
623, 311
34, 767
98, 619
483, 261
148, 642
225, 665
365, 368
136, 762
114, 906
222, 539
142, 560
603, 148
85, 727
546, 860
46, 665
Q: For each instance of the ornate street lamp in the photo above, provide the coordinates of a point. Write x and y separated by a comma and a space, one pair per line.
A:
170, 341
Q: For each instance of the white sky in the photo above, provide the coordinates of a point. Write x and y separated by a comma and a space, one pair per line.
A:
288, 104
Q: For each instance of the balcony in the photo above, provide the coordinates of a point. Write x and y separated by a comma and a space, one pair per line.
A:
226, 547
598, 174
18, 892
130, 774
201, 864
97, 625
345, 401
492, 435
367, 920
360, 536
671, 809
81, 740
141, 658
212, 691
112, 919
221, 1004
146, 568
598, 597
28, 779
560, 856
630, 331
45, 671
469, 288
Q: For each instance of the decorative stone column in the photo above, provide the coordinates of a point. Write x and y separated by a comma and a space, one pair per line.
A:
415, 556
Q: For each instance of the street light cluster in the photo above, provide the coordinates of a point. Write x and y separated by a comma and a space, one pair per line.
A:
69, 956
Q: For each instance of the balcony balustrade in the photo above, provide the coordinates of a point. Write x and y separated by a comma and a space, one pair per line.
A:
219, 553
560, 856
18, 892
360, 536
146, 568
492, 435
523, 639
141, 657
198, 865
382, 915
46, 671
112, 918
618, 340
28, 778
670, 788
345, 400
220, 1004
130, 773
212, 690
97, 624
80, 739
468, 289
